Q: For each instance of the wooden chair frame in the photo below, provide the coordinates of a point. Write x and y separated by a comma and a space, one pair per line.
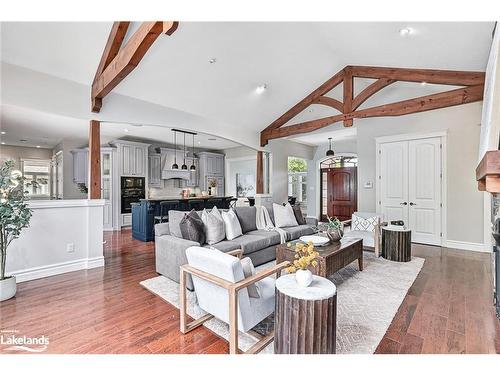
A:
232, 289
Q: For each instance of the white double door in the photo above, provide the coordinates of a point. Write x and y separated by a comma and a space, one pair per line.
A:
410, 183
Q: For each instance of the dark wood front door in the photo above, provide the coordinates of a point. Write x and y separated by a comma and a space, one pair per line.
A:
342, 192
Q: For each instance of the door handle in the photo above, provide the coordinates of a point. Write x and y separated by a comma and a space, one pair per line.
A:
404, 203
412, 204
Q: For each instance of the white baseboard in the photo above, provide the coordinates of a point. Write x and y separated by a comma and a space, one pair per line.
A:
57, 269
462, 245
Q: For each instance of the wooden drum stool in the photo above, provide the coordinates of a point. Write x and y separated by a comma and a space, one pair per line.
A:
396, 243
305, 318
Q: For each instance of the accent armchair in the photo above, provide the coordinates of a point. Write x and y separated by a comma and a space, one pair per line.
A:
221, 291
366, 225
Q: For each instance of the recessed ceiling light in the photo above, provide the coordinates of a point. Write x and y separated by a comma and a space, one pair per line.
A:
37, 146
2, 133
405, 31
213, 60
311, 110
3, 143
212, 139
126, 130
423, 83
260, 89
199, 142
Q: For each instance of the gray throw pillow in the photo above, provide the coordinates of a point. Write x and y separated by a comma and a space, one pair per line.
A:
174, 220
298, 215
214, 226
192, 228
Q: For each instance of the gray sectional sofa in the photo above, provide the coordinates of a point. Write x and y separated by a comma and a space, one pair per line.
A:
258, 245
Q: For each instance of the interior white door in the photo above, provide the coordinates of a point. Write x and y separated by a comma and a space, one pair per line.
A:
393, 177
424, 190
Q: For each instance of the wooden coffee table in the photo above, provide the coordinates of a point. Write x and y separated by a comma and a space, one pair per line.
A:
332, 257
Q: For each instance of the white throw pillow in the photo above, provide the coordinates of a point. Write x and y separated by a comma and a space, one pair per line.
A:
249, 270
214, 226
284, 216
362, 224
231, 224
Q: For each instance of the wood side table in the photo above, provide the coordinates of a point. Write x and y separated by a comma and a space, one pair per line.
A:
305, 318
396, 243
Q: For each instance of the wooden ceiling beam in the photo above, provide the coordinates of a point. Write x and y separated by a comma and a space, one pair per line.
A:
421, 104
126, 58
330, 102
371, 90
442, 77
348, 94
307, 101
115, 40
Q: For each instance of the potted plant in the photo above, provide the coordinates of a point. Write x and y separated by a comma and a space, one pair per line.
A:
14, 216
212, 186
334, 229
305, 256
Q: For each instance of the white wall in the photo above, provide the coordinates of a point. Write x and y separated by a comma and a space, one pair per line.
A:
280, 150
464, 201
17, 153
41, 249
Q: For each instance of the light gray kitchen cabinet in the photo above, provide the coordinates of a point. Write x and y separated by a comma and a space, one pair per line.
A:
193, 175
80, 166
211, 165
155, 170
132, 158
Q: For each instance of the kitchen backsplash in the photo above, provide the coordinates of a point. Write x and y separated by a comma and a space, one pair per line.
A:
171, 188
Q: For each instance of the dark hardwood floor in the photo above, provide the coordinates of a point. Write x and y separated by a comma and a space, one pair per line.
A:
447, 310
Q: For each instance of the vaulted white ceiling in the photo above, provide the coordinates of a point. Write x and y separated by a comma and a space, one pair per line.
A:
292, 59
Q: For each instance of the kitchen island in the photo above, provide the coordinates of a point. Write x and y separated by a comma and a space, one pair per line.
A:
144, 212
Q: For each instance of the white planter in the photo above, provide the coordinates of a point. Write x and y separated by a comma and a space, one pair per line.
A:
304, 278
7, 288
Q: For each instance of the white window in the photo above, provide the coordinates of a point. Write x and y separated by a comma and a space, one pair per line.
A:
297, 181
37, 175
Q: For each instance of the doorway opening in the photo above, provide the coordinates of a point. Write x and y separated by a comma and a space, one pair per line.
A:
297, 182
339, 187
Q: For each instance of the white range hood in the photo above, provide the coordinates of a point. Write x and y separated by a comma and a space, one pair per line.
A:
175, 174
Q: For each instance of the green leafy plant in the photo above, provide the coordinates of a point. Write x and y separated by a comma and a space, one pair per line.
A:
296, 165
14, 211
334, 223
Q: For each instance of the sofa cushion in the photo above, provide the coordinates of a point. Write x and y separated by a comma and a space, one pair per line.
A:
174, 219
298, 215
250, 243
192, 227
247, 217
225, 246
367, 237
231, 224
214, 226
284, 216
274, 237
298, 231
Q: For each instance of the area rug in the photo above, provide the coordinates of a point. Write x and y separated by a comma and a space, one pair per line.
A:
366, 302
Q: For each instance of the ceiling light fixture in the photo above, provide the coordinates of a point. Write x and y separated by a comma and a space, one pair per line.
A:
423, 83
405, 31
175, 165
260, 89
37, 146
193, 167
2, 133
330, 151
184, 166
213, 60
3, 143
126, 130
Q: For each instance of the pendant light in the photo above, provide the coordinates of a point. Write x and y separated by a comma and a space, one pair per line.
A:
175, 166
193, 167
184, 166
330, 151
